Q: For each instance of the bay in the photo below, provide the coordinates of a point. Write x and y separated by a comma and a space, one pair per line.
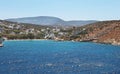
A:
54, 57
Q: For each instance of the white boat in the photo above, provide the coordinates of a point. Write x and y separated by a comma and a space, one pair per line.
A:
1, 45
1, 42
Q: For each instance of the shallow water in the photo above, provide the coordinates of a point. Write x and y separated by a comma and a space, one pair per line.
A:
51, 57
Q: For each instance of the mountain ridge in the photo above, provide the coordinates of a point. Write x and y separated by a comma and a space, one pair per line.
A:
49, 20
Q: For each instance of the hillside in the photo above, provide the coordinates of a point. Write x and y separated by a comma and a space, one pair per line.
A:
48, 20
103, 32
14, 30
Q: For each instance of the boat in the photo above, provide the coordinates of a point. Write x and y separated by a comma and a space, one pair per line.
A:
1, 42
58, 39
1, 45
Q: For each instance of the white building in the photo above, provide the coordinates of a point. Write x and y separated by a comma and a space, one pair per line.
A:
29, 31
11, 26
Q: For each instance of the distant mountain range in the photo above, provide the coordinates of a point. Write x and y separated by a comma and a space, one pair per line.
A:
48, 20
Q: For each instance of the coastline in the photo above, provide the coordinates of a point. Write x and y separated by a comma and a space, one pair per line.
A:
117, 44
24, 39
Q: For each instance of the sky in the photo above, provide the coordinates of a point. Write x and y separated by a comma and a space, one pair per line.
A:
64, 9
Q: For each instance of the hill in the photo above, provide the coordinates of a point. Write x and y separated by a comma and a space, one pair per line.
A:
14, 30
102, 32
48, 20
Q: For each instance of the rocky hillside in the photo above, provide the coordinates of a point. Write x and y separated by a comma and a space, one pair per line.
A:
103, 32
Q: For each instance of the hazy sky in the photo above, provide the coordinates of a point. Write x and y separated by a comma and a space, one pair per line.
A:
65, 9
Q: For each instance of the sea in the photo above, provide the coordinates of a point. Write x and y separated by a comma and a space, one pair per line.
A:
58, 57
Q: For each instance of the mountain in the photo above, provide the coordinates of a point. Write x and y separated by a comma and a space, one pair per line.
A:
41, 20
48, 20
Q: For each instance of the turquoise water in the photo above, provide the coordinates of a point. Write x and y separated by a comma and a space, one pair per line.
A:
51, 57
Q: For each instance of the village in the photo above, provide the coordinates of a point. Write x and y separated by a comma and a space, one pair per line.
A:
22, 31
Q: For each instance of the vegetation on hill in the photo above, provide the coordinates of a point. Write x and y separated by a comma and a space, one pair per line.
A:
102, 32
13, 30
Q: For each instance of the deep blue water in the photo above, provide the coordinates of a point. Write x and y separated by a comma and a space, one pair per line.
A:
51, 57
